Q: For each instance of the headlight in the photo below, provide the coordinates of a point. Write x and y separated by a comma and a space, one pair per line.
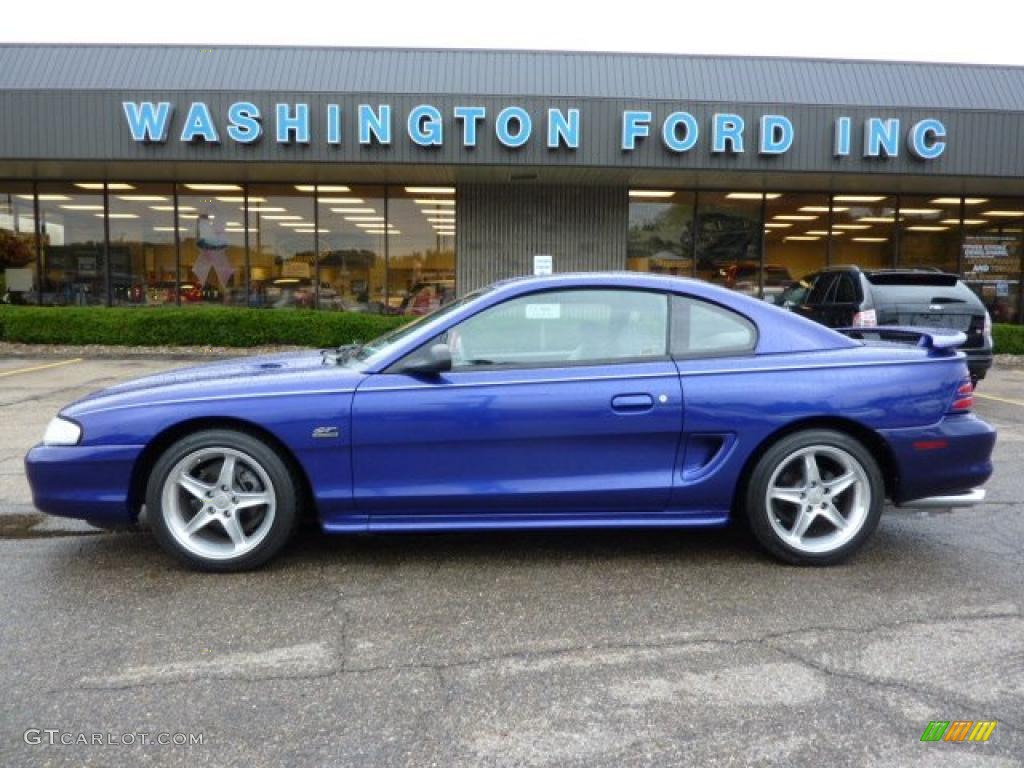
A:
62, 432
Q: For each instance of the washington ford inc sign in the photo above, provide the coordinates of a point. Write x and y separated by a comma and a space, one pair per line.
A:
514, 127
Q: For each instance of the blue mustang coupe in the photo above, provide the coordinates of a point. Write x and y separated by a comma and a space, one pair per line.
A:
597, 400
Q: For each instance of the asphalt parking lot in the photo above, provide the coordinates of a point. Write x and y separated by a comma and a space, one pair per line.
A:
553, 649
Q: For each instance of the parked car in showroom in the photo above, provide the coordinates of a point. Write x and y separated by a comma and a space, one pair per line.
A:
744, 277
853, 296
571, 401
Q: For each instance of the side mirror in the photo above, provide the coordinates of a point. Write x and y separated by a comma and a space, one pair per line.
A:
437, 359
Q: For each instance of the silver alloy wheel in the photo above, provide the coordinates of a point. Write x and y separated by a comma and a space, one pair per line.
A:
218, 503
818, 498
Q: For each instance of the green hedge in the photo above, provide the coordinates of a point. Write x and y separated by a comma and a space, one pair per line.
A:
1008, 339
188, 326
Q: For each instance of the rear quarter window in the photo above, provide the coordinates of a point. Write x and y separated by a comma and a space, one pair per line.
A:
703, 329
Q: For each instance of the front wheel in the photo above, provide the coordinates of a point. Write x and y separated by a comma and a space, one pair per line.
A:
221, 500
815, 497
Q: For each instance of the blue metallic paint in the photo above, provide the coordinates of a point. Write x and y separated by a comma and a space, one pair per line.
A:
535, 447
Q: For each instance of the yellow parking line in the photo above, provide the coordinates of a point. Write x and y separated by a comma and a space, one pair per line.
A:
39, 367
1000, 399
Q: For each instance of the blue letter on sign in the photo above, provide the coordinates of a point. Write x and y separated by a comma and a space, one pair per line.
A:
927, 139
333, 124
377, 123
881, 137
146, 121
634, 126
727, 129
842, 143
525, 124
244, 122
670, 132
425, 126
293, 128
469, 116
199, 124
776, 134
563, 130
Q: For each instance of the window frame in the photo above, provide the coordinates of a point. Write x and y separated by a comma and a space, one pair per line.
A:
398, 365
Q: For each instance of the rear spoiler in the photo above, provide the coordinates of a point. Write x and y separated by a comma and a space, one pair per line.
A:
930, 338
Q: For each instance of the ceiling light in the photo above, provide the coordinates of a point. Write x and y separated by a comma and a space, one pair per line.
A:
240, 229
754, 195
189, 216
430, 190
240, 199
364, 218
283, 217
117, 215
794, 217
823, 209
442, 233
214, 187
928, 228
142, 198
428, 201
353, 210
776, 225
1004, 214
653, 193
295, 223
870, 239
340, 200
265, 209
382, 231
437, 212
171, 207
858, 198
170, 229
311, 231
322, 188
919, 211
442, 221
956, 200
46, 197
82, 207
802, 237
99, 185
851, 226
974, 221
878, 219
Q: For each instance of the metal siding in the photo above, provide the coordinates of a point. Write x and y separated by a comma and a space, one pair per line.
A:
501, 228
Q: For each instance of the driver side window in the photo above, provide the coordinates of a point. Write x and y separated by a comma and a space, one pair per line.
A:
556, 328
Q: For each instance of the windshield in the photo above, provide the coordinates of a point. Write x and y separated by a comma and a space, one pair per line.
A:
383, 344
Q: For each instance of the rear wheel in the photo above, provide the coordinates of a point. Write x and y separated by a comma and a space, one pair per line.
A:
815, 497
221, 500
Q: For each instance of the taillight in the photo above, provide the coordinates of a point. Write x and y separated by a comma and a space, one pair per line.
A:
865, 319
964, 400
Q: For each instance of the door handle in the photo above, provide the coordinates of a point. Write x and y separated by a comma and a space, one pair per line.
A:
632, 403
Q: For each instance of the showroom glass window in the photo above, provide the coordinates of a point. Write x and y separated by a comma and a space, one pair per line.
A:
282, 246
796, 232
73, 243
353, 268
212, 234
992, 253
868, 224
557, 328
929, 232
18, 276
661, 232
142, 248
728, 238
421, 248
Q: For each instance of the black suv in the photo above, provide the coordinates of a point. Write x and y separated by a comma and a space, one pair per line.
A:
850, 296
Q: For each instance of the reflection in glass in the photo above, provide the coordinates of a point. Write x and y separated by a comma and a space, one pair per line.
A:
796, 232
72, 240
421, 249
353, 269
929, 232
729, 240
141, 250
17, 244
868, 222
282, 246
661, 234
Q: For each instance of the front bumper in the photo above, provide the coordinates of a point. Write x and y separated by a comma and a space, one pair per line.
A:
950, 458
89, 482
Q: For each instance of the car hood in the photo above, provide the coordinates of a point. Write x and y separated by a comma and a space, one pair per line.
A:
298, 372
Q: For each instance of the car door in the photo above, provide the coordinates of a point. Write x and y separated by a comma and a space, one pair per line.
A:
558, 403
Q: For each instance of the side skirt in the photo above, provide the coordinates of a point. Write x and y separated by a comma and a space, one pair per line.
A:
528, 521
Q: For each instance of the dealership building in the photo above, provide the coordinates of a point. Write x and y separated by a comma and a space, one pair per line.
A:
383, 180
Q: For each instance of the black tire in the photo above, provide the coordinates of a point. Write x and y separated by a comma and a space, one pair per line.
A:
760, 516
284, 494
